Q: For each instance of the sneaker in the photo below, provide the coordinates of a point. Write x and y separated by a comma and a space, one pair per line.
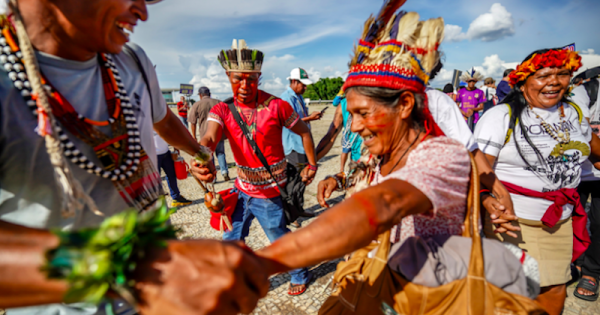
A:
180, 201
226, 177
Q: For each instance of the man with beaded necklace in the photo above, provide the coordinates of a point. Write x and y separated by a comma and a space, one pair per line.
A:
76, 121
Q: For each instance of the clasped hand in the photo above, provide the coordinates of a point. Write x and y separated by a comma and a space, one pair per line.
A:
200, 277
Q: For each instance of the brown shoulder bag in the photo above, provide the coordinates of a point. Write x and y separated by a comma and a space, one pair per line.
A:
364, 284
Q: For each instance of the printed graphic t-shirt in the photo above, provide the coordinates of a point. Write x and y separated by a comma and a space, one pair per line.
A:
469, 100
580, 97
265, 123
556, 172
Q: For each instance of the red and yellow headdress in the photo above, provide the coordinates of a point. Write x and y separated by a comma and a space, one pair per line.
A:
553, 58
396, 51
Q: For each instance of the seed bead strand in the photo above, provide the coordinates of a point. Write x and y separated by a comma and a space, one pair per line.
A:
12, 62
562, 135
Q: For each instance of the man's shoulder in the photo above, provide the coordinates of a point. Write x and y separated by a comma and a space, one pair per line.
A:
267, 99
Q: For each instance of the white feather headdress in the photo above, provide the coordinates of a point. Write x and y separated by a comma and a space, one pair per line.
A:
471, 75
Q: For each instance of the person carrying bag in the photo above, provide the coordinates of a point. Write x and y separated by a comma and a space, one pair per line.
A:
291, 194
364, 282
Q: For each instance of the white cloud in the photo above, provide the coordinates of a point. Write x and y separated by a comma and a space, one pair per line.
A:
443, 77
286, 57
492, 66
496, 24
453, 33
588, 51
491, 26
314, 74
328, 69
307, 35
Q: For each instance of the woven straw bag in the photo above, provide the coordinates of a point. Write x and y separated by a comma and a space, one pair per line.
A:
364, 283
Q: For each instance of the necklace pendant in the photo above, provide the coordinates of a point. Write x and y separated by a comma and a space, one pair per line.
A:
561, 135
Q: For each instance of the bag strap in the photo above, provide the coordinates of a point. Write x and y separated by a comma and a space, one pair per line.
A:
128, 50
578, 110
248, 135
476, 281
591, 88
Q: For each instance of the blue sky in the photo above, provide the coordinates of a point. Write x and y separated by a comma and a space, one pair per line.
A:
183, 37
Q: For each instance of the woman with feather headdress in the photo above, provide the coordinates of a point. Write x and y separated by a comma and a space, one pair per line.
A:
471, 99
413, 162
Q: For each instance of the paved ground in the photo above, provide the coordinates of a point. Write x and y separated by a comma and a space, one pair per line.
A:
193, 220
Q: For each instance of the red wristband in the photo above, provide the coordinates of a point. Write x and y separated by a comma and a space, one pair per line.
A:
484, 191
313, 167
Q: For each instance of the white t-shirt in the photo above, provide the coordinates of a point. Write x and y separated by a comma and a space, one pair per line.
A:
581, 98
162, 146
489, 91
557, 172
446, 114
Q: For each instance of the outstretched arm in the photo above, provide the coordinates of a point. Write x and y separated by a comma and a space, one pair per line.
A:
210, 140
176, 134
334, 129
186, 277
301, 129
22, 283
365, 215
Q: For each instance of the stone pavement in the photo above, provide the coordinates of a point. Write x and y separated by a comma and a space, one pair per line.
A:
194, 223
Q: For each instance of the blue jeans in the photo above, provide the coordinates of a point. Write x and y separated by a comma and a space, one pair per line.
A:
220, 152
183, 120
269, 213
165, 161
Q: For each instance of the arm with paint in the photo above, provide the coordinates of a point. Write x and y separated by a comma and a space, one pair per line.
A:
326, 143
365, 215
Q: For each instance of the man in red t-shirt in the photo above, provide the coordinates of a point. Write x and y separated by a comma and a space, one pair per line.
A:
266, 116
182, 110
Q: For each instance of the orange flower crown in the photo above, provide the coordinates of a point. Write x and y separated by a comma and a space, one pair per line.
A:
553, 58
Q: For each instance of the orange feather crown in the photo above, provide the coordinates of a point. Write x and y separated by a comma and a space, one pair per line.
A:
553, 58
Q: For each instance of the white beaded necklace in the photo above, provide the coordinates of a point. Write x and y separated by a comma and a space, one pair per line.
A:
12, 62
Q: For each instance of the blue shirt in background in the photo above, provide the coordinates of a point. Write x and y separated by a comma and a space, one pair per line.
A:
502, 90
351, 142
292, 141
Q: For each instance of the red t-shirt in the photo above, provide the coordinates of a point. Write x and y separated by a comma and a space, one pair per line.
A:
266, 123
181, 109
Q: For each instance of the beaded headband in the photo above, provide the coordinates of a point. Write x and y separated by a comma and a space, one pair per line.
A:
553, 58
396, 51
240, 58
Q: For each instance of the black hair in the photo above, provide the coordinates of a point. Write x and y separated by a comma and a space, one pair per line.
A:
436, 70
390, 97
507, 72
518, 104
448, 88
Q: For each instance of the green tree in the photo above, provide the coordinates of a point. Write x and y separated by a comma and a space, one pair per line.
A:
324, 89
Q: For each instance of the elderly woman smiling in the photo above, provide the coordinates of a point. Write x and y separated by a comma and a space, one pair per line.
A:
420, 180
538, 142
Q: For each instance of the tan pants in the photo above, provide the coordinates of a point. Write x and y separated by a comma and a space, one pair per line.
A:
551, 247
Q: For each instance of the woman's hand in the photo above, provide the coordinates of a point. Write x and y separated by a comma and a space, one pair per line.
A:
325, 189
500, 215
206, 173
200, 277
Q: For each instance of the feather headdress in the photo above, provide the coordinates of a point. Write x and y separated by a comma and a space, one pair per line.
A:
240, 58
396, 50
471, 75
